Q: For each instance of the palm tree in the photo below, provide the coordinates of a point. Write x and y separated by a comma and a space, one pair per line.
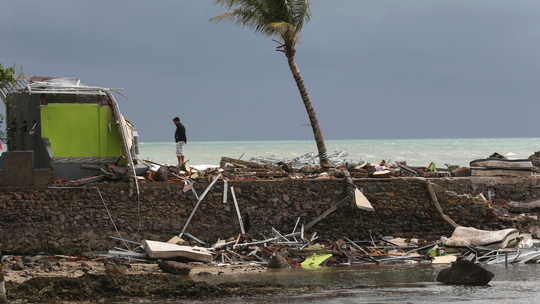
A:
283, 19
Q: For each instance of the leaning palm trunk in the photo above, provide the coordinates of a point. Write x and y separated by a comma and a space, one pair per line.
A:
323, 156
283, 19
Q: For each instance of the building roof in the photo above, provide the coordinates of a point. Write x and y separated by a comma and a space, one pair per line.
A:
53, 85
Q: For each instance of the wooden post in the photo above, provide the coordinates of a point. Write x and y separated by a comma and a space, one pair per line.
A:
436, 203
360, 199
249, 164
197, 205
237, 211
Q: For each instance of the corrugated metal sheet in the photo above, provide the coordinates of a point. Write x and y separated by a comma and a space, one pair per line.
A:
55, 85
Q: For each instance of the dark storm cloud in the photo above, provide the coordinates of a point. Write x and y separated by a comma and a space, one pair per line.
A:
374, 69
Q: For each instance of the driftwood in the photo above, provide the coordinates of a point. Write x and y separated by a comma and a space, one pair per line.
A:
86, 180
249, 164
436, 202
343, 202
110, 175
327, 212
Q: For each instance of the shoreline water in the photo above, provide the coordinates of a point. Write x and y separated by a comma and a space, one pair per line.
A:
416, 152
353, 284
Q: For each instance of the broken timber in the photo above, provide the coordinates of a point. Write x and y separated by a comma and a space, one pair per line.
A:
249, 164
360, 199
436, 202
84, 181
199, 199
327, 212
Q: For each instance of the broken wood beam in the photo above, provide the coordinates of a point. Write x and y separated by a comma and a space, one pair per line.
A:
352, 191
198, 202
86, 180
110, 174
359, 198
239, 162
249, 164
435, 202
327, 212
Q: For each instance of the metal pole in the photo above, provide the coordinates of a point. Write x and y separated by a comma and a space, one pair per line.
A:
197, 205
224, 191
237, 211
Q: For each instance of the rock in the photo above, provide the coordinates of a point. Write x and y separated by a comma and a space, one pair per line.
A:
461, 172
47, 265
518, 207
535, 159
40, 258
175, 268
278, 261
162, 174
463, 272
535, 232
306, 169
115, 269
18, 265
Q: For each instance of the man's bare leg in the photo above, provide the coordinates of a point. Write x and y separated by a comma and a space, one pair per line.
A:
180, 160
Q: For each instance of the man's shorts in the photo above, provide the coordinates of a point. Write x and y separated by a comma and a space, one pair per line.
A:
180, 148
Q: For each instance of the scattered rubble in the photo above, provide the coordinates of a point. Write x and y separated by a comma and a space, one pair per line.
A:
306, 167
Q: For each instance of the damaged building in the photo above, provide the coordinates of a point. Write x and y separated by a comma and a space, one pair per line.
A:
64, 127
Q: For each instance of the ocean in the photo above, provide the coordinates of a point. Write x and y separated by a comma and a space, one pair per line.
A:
416, 152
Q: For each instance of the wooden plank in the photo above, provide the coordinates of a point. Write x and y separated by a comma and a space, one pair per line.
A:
86, 180
122, 132
327, 212
361, 201
435, 201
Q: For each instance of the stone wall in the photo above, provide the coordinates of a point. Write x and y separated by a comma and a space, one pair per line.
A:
76, 220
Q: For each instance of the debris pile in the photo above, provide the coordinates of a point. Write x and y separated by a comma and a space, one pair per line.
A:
306, 166
495, 247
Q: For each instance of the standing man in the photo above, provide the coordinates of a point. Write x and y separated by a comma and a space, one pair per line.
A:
180, 139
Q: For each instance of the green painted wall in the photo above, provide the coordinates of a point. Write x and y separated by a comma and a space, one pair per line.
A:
80, 130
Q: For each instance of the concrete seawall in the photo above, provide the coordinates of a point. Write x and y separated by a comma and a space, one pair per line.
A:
75, 220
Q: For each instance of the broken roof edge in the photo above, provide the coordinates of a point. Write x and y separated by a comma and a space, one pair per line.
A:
56, 85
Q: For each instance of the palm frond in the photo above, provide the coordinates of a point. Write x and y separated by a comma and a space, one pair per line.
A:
279, 18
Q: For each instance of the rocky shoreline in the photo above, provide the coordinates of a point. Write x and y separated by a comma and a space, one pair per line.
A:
90, 288
60, 279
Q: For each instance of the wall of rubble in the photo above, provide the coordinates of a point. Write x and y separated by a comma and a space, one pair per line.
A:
76, 220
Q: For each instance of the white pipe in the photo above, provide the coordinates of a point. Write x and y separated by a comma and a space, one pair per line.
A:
197, 205
237, 211
224, 191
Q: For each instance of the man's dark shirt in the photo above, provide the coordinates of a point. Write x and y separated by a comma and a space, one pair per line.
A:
180, 134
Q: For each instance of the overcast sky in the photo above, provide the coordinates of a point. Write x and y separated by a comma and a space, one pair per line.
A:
373, 69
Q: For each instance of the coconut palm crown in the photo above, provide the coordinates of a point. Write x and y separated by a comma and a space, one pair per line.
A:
283, 19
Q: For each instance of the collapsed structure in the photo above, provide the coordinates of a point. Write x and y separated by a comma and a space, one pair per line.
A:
70, 128
60, 129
